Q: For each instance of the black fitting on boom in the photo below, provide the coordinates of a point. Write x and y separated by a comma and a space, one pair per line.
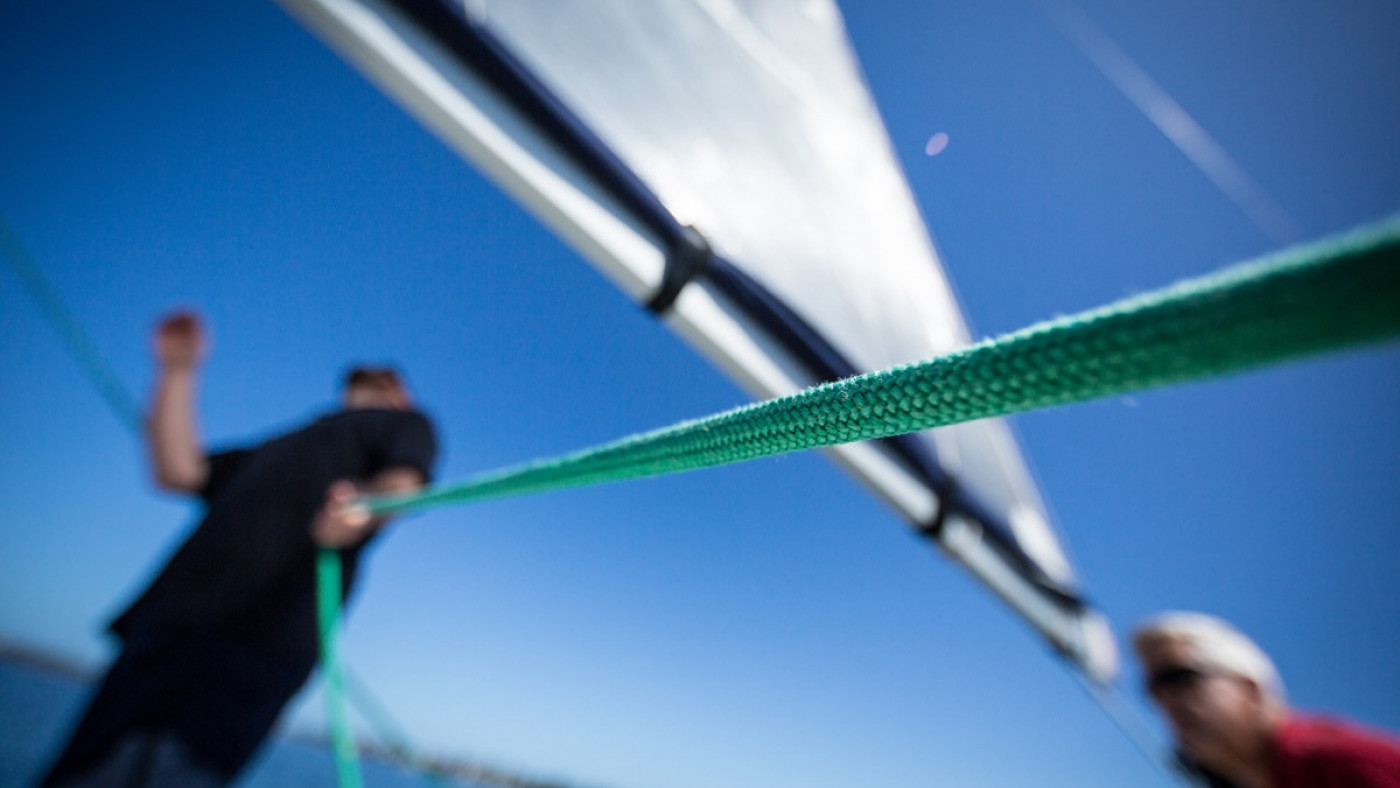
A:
945, 489
687, 259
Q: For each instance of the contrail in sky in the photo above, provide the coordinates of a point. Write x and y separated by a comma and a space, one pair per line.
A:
1173, 121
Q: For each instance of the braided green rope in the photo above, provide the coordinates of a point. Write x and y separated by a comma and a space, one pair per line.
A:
1329, 295
328, 590
82, 348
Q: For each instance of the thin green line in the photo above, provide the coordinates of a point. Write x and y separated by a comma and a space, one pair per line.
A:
70, 331
328, 589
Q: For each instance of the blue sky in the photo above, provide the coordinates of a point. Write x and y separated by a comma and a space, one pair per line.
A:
756, 625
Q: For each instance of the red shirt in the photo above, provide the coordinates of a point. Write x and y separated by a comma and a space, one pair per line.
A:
1311, 752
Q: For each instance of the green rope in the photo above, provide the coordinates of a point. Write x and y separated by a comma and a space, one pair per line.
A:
328, 590
1329, 295
70, 331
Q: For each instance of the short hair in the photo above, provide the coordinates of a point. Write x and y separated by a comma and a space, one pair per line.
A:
1216, 643
368, 375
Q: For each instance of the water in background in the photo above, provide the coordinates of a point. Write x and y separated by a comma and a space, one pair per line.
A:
38, 705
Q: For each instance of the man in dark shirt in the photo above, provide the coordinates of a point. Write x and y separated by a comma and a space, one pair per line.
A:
1226, 706
226, 633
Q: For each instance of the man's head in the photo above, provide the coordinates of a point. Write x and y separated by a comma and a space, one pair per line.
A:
1217, 688
375, 387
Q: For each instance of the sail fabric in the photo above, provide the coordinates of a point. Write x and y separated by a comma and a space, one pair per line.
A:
748, 121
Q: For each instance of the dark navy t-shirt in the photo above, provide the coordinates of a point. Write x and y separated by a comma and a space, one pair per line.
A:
247, 572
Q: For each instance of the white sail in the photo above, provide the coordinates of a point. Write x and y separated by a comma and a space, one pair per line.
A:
750, 122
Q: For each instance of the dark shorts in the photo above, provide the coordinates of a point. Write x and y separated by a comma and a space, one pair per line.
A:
194, 710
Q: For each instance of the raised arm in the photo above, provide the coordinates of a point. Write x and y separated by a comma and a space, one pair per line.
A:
177, 457
343, 523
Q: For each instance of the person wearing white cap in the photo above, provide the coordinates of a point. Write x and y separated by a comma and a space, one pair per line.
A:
1227, 708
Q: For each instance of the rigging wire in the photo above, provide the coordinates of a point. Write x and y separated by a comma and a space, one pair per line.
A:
1131, 724
118, 398
1175, 123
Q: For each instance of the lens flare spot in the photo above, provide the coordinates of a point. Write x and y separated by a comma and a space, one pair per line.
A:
936, 144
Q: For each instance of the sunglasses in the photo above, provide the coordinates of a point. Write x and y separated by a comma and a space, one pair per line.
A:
1169, 679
